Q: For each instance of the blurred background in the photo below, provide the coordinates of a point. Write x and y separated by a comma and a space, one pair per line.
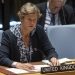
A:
9, 9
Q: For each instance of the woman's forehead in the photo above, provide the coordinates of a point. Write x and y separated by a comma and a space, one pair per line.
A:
31, 15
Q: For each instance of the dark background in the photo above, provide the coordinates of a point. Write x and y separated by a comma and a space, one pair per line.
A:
9, 8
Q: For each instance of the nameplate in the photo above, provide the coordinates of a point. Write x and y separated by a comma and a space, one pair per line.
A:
61, 68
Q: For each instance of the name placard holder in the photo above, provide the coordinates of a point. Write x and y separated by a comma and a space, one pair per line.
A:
61, 68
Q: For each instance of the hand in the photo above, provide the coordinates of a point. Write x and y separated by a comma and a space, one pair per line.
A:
54, 61
25, 66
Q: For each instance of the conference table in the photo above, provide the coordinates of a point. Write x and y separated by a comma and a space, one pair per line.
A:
3, 71
62, 73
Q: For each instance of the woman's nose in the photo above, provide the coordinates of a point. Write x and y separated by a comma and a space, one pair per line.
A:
32, 22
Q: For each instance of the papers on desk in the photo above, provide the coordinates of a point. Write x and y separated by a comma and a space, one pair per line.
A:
64, 60
37, 68
61, 61
17, 71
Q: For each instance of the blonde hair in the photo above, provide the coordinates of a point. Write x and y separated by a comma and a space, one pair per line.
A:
27, 9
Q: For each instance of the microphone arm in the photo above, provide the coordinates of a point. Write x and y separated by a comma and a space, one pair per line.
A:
2, 1
30, 48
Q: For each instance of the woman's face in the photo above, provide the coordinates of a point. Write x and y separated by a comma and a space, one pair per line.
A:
29, 21
56, 5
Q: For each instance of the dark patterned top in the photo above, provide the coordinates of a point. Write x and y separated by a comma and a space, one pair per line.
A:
24, 52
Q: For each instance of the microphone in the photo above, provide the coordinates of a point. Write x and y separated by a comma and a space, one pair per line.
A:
64, 16
32, 32
30, 44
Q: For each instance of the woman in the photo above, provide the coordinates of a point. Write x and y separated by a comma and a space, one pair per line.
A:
26, 42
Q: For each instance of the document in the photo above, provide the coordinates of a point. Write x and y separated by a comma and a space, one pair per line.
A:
37, 68
64, 60
61, 61
17, 71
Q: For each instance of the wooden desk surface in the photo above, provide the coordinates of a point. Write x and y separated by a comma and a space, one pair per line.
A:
2, 73
61, 73
58, 73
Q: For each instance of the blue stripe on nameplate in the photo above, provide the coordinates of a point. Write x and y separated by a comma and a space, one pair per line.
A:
61, 68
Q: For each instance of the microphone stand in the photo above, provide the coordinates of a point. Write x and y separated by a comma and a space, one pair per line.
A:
30, 49
2, 4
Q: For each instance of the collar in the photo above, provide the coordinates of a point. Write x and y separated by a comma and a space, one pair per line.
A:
16, 30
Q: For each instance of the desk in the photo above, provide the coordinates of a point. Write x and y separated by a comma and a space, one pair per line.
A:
61, 73
58, 73
2, 73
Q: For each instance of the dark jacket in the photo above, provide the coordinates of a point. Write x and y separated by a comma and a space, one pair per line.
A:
9, 51
66, 14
